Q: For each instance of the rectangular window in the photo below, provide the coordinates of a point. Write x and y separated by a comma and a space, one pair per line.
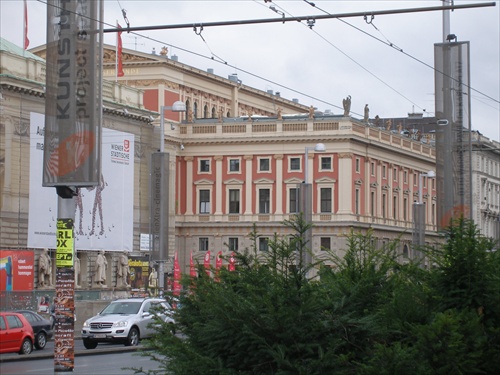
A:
357, 165
326, 200
264, 201
356, 201
234, 165
204, 201
326, 243
326, 163
233, 243
295, 164
384, 171
384, 206
372, 168
263, 244
294, 200
405, 177
405, 209
204, 165
395, 207
234, 201
372, 203
203, 244
395, 174
264, 165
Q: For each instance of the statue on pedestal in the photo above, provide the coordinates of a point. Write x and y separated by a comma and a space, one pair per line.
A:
101, 265
44, 269
367, 114
122, 271
347, 105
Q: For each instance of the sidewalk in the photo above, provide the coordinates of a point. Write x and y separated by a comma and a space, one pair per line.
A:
44, 354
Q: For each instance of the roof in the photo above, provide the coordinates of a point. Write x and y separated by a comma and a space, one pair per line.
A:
7, 46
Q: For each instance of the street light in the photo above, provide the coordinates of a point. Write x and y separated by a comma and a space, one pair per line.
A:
419, 217
306, 202
159, 198
178, 106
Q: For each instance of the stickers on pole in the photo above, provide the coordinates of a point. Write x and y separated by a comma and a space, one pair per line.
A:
64, 250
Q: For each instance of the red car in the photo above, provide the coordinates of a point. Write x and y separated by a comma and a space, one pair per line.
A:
16, 334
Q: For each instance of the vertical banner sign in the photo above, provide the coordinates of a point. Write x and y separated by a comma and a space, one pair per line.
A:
64, 249
159, 206
453, 148
64, 345
72, 136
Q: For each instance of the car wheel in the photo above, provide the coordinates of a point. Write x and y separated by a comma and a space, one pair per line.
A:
40, 340
26, 347
89, 344
133, 337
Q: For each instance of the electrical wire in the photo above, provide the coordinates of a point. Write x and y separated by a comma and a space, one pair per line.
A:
353, 60
392, 45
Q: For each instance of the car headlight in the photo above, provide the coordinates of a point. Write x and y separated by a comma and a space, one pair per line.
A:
86, 324
122, 323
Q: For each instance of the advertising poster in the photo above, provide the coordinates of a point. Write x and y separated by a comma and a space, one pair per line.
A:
104, 213
64, 250
16, 270
64, 348
139, 273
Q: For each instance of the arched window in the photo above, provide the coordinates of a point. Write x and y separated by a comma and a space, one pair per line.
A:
214, 113
205, 111
406, 252
188, 106
228, 114
195, 110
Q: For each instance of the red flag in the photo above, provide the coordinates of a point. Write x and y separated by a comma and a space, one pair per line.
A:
192, 269
206, 262
177, 276
232, 262
25, 32
119, 61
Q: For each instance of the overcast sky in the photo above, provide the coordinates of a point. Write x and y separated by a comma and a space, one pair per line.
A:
320, 65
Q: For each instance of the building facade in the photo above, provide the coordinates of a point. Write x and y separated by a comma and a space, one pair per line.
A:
237, 157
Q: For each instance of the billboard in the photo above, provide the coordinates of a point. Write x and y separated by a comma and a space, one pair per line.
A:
104, 214
16, 270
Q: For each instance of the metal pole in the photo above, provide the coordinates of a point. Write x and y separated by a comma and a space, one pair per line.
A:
446, 19
162, 128
299, 18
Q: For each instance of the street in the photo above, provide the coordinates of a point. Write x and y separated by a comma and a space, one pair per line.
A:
97, 364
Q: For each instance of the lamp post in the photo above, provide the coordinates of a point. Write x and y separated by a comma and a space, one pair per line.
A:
159, 198
178, 106
306, 202
419, 217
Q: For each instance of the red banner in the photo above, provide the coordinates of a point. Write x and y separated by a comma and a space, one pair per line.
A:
218, 260
232, 262
119, 60
218, 264
206, 262
16, 270
177, 276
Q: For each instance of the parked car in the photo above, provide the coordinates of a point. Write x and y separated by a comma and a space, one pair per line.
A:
16, 334
42, 327
125, 320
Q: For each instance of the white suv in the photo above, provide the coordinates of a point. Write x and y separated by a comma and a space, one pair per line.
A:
125, 320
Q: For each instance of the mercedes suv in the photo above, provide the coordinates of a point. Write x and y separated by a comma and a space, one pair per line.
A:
125, 320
